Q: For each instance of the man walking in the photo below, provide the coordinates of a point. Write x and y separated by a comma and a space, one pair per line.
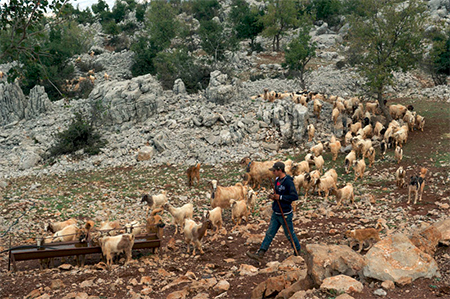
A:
283, 197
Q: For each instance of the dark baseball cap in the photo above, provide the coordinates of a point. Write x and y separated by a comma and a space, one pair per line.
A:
277, 166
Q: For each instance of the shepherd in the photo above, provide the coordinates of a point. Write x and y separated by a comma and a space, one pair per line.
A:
283, 196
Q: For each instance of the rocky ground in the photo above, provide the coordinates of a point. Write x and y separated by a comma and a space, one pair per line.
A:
223, 271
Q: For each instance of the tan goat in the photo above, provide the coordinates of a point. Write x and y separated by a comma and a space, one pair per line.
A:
317, 108
317, 149
349, 160
57, 226
397, 111
335, 148
311, 131
400, 175
372, 107
215, 215
221, 196
335, 115
325, 183
239, 210
370, 155
359, 168
420, 122
398, 154
344, 194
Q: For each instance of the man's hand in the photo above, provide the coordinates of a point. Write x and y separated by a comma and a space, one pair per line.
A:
274, 196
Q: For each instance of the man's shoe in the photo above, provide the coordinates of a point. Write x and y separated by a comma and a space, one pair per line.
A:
258, 256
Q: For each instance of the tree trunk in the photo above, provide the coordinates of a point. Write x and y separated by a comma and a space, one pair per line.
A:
302, 80
273, 43
383, 107
278, 43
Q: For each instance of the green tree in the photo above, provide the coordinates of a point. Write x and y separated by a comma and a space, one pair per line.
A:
161, 23
205, 10
216, 39
51, 68
438, 60
22, 30
389, 39
327, 10
281, 15
145, 52
300, 51
179, 64
245, 21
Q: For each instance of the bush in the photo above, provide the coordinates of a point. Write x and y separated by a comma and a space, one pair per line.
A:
179, 64
327, 10
80, 135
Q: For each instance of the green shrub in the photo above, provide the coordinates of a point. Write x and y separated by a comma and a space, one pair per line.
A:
179, 64
144, 53
205, 10
80, 135
327, 10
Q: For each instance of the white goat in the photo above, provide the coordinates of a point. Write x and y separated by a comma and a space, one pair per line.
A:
180, 214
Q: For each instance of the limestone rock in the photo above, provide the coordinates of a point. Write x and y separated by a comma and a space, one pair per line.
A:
222, 286
396, 258
342, 283
219, 90
179, 87
427, 239
248, 270
146, 153
328, 260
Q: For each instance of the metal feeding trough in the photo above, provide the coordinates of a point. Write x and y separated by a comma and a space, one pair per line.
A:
73, 248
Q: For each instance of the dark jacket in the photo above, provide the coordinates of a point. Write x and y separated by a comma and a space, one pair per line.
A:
286, 189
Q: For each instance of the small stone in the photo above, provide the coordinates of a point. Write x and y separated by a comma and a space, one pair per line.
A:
65, 267
380, 292
222, 286
388, 285
146, 280
57, 284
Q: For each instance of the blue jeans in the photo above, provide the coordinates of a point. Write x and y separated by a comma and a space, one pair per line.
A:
275, 222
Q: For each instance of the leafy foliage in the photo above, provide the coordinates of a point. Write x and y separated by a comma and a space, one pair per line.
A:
80, 135
300, 51
179, 64
281, 15
389, 39
245, 21
205, 10
438, 62
145, 52
161, 24
216, 39
327, 10
21, 27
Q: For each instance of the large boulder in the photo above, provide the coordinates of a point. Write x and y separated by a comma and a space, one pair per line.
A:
132, 100
219, 90
427, 239
396, 258
329, 260
15, 106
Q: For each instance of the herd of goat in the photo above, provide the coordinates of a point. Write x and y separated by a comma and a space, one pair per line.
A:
363, 131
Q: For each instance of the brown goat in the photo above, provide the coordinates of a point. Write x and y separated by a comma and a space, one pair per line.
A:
193, 173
